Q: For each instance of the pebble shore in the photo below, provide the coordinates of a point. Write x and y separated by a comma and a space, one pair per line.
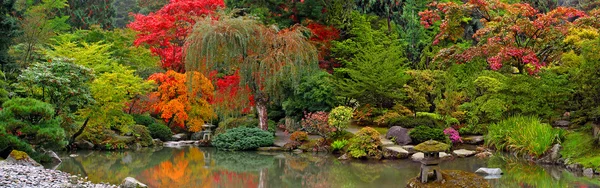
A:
18, 176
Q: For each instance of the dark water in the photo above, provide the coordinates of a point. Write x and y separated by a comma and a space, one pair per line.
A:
207, 167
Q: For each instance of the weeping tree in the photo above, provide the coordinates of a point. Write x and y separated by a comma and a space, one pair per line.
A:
265, 56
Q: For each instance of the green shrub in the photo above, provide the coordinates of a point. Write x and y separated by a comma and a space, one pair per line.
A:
160, 131
424, 133
142, 135
411, 122
340, 117
523, 134
144, 119
473, 129
33, 121
243, 138
339, 145
366, 143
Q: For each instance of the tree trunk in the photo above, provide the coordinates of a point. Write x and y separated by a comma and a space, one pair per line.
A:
263, 118
72, 140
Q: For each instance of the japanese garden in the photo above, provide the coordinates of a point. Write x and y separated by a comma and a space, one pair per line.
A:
300, 93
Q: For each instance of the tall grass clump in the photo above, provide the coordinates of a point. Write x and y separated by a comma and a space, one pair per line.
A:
524, 135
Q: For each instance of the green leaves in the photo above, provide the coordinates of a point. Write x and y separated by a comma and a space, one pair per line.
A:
243, 138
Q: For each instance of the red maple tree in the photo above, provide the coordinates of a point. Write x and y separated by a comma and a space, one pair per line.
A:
166, 29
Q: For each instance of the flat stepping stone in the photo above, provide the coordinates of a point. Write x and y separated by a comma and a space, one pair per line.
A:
410, 148
473, 140
395, 152
464, 153
386, 142
420, 155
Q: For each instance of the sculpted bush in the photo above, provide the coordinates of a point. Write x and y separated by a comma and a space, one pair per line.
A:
366, 143
243, 138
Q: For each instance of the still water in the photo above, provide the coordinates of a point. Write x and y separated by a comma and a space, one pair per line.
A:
207, 167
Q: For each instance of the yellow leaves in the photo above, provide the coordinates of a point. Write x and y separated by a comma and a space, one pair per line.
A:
95, 55
577, 36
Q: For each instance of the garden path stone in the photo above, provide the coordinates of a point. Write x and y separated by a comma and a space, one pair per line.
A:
464, 153
281, 138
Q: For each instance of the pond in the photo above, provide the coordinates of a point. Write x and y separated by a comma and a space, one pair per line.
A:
207, 167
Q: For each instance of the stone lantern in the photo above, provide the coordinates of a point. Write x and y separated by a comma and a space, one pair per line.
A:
431, 150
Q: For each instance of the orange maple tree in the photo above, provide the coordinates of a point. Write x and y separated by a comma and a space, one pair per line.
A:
183, 99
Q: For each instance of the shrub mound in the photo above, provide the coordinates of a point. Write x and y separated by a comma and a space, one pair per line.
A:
423, 133
243, 138
160, 131
366, 143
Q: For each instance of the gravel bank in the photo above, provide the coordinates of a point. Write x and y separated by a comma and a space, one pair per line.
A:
25, 176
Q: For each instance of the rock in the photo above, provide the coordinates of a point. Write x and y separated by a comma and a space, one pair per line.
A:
297, 151
552, 156
179, 137
473, 140
130, 182
489, 171
344, 157
480, 149
177, 144
410, 149
157, 142
588, 172
73, 155
561, 123
197, 136
464, 153
269, 149
444, 155
386, 142
21, 158
395, 152
492, 177
54, 157
400, 135
484, 155
417, 156
84, 144
136, 146
575, 167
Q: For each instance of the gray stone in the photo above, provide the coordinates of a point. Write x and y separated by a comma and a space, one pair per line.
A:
197, 136
297, 151
464, 153
399, 134
177, 144
417, 156
179, 137
73, 155
473, 140
552, 156
588, 172
84, 144
395, 152
561, 123
575, 167
489, 171
410, 149
344, 157
130, 182
444, 155
484, 155
386, 142
54, 157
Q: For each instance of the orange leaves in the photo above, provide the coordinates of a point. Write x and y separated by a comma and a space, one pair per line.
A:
183, 98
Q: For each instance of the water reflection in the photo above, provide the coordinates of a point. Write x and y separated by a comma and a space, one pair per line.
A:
206, 167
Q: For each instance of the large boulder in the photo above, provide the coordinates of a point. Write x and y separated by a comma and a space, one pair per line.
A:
552, 156
130, 182
400, 135
395, 152
21, 158
54, 157
561, 123
179, 137
84, 144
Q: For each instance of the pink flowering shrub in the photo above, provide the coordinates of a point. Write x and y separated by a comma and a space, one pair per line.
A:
453, 135
316, 123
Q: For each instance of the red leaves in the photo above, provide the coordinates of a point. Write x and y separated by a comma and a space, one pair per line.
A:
166, 30
229, 89
429, 17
